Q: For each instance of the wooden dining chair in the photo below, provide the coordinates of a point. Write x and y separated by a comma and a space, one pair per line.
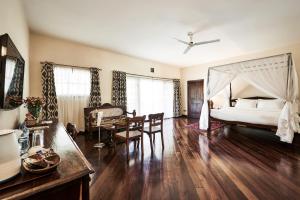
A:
155, 126
72, 130
134, 132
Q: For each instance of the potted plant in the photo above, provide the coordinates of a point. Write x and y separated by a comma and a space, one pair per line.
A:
34, 106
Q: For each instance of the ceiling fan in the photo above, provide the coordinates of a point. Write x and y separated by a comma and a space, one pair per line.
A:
192, 44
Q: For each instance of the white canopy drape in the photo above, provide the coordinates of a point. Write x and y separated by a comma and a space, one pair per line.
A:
274, 75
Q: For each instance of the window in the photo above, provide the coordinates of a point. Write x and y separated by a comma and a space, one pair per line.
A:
73, 87
148, 96
72, 81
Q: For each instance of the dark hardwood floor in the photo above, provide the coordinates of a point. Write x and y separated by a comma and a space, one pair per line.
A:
235, 163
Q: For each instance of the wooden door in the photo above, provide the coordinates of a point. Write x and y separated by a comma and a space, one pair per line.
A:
195, 98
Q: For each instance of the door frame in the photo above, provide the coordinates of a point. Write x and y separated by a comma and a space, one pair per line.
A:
188, 93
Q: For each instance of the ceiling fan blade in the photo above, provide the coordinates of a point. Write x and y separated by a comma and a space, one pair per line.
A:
184, 42
187, 49
206, 42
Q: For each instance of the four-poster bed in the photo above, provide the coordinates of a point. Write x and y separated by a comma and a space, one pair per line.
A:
275, 76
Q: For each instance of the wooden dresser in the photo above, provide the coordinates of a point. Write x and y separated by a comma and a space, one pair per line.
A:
69, 181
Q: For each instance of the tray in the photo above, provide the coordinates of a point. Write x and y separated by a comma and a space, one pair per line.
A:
52, 161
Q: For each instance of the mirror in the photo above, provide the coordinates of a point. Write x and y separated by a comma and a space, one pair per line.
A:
11, 74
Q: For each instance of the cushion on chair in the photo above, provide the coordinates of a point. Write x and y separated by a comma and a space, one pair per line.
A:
154, 129
106, 121
108, 112
131, 134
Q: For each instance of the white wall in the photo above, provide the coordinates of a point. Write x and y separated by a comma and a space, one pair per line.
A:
13, 22
240, 88
45, 48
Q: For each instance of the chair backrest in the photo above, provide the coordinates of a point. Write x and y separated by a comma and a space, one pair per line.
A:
71, 130
138, 123
156, 119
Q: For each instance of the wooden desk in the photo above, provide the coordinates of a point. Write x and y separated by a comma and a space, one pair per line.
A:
69, 181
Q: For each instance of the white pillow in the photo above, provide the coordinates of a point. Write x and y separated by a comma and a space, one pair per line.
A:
246, 103
270, 104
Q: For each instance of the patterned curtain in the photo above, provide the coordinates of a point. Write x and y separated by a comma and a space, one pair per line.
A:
177, 98
50, 110
95, 95
119, 89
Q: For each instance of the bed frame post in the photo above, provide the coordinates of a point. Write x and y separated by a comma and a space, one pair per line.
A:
209, 124
230, 95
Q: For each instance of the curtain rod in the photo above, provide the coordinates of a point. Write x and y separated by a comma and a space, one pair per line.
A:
251, 60
64, 65
150, 77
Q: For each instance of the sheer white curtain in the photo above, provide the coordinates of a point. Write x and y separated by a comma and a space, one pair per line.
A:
268, 75
72, 89
217, 81
148, 96
274, 76
226, 94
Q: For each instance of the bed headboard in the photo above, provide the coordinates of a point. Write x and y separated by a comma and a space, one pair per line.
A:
233, 101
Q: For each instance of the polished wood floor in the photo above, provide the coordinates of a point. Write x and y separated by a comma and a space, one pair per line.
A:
234, 163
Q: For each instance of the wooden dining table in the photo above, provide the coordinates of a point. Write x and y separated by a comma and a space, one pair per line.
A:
114, 128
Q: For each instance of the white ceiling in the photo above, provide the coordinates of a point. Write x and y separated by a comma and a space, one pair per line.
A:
145, 28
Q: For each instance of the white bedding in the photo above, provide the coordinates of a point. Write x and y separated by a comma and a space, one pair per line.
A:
254, 116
